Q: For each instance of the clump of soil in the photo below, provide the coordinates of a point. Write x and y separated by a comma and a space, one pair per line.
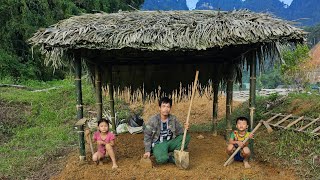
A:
207, 157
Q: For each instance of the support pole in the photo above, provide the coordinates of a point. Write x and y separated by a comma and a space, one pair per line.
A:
215, 108
252, 95
111, 99
229, 108
77, 63
98, 92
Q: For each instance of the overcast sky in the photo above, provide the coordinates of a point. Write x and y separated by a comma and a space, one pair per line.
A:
192, 3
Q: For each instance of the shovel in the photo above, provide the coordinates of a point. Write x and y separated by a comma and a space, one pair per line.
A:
182, 157
90, 143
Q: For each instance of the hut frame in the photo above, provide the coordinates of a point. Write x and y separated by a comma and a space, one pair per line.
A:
217, 43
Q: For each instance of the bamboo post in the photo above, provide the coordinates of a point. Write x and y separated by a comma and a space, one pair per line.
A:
111, 99
229, 108
98, 92
252, 96
77, 63
215, 108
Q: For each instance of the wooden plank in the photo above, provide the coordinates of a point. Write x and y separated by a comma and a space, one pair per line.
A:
304, 127
295, 117
272, 118
81, 122
269, 129
282, 120
294, 122
315, 130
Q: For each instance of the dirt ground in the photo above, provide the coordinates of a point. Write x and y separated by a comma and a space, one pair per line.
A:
207, 157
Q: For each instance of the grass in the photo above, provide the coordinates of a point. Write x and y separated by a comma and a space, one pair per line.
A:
43, 131
42, 125
286, 148
42, 128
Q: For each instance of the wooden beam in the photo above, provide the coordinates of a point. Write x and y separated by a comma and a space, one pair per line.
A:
269, 129
304, 127
315, 130
272, 118
98, 92
111, 98
282, 120
294, 122
81, 122
215, 108
80, 128
229, 108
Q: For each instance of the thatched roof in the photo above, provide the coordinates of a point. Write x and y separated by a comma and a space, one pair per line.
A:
166, 30
182, 40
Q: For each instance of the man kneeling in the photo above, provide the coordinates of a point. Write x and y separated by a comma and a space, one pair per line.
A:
163, 134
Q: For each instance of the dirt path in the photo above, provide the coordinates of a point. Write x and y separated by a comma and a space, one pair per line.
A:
207, 157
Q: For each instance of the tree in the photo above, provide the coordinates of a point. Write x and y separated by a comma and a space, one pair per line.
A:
21, 18
291, 69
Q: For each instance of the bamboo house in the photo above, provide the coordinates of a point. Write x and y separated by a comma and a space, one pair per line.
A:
165, 48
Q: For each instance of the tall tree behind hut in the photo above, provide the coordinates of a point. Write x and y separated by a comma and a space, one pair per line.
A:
20, 19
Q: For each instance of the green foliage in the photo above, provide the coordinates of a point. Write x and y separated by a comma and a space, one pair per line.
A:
284, 148
24, 17
45, 129
292, 148
291, 69
270, 78
314, 34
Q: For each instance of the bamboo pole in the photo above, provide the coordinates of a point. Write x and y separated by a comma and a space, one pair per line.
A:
111, 98
238, 149
252, 96
215, 108
229, 108
77, 65
98, 92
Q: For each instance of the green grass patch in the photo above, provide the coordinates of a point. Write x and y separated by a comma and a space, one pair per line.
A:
285, 148
46, 128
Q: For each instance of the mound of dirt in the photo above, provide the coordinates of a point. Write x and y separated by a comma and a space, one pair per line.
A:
207, 157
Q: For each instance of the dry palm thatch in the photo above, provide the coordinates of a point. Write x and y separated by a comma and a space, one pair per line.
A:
163, 31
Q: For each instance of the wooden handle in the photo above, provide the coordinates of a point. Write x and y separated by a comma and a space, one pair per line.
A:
238, 149
189, 110
90, 140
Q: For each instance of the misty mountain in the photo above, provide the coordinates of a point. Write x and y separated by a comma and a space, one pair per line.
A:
165, 5
306, 12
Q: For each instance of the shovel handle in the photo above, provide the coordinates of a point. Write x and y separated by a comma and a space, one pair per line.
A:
189, 110
90, 143
238, 149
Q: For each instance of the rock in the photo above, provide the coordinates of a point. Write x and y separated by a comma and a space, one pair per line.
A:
200, 137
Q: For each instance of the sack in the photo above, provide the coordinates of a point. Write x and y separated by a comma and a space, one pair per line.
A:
135, 121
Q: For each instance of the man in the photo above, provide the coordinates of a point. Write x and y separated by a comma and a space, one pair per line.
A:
163, 134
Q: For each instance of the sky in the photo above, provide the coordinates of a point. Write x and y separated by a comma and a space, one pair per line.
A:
192, 3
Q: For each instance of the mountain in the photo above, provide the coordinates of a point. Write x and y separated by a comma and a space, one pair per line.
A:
165, 5
309, 9
307, 12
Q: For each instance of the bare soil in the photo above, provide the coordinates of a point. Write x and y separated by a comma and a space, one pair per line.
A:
207, 157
